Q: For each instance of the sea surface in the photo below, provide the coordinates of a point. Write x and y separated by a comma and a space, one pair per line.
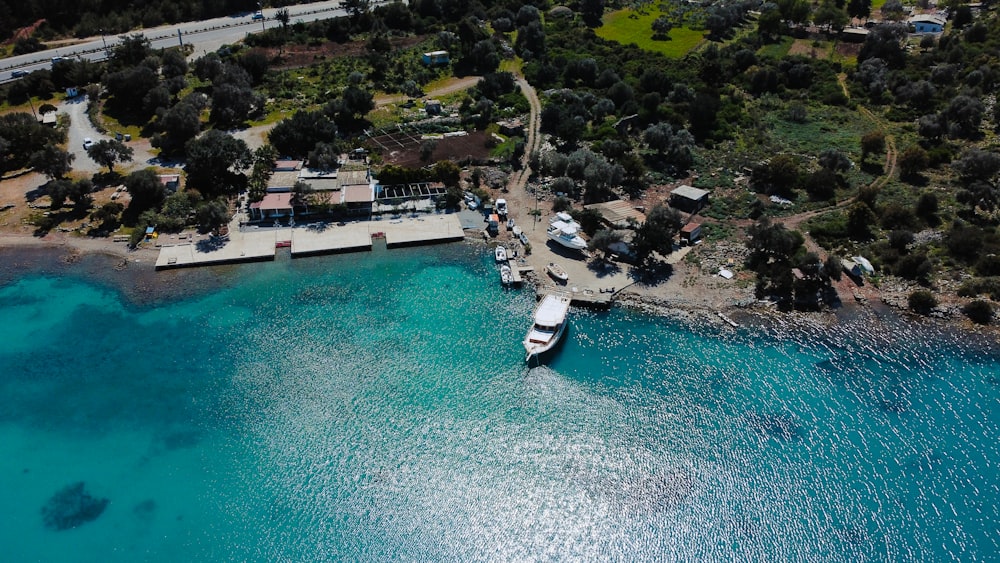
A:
377, 406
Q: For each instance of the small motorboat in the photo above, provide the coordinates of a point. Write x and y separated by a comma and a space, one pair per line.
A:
517, 231
510, 224
523, 238
501, 253
556, 271
506, 275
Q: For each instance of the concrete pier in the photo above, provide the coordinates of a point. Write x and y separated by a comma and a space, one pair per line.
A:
253, 245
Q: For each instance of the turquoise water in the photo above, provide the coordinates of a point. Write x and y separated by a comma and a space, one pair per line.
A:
376, 406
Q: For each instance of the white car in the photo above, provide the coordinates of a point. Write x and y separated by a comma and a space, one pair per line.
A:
87, 142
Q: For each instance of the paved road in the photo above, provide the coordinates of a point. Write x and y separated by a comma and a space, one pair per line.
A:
79, 129
205, 35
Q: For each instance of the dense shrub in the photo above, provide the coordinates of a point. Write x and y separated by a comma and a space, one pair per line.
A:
979, 311
922, 302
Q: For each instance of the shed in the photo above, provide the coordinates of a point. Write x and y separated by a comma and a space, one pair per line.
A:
170, 182
927, 23
691, 232
688, 198
433, 58
432, 107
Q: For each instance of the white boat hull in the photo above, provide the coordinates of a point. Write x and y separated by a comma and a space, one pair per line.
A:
548, 325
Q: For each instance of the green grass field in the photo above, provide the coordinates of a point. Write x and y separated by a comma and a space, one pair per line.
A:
628, 26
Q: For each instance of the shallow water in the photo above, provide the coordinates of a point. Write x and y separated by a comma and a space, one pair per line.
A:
376, 406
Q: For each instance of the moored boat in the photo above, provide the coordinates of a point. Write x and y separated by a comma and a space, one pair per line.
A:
549, 324
506, 275
501, 253
557, 272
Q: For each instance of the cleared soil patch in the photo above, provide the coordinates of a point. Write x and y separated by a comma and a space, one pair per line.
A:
298, 56
805, 48
404, 149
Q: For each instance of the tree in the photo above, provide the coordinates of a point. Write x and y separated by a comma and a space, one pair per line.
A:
821, 185
657, 233
107, 152
213, 214
302, 193
349, 110
591, 11
661, 27
912, 161
180, 123
780, 175
977, 164
447, 172
282, 16
674, 146
885, 42
860, 218
23, 136
892, 10
834, 160
299, 134
324, 156
530, 43
922, 302
131, 51
356, 8
215, 162
772, 251
107, 216
603, 240
52, 161
872, 142
146, 190
964, 114
831, 15
860, 9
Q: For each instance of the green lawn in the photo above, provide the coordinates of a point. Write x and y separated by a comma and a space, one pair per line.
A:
776, 50
628, 26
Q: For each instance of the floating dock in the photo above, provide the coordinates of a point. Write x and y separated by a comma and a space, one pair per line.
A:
253, 245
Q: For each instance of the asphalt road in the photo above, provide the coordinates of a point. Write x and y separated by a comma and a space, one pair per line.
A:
205, 35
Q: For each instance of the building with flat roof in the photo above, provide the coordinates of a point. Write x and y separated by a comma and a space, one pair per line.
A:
927, 23
688, 198
273, 206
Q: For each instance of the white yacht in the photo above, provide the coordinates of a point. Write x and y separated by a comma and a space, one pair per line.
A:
567, 234
549, 324
501, 253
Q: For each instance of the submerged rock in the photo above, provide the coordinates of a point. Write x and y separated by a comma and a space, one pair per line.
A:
71, 507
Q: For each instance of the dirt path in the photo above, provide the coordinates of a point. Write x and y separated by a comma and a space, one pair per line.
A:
517, 182
847, 289
452, 86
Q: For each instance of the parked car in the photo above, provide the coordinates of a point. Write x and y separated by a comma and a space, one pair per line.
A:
87, 143
258, 15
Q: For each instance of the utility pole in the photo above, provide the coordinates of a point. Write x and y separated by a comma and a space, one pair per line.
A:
105, 41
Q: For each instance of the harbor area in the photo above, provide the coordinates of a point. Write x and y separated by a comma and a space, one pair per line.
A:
258, 243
